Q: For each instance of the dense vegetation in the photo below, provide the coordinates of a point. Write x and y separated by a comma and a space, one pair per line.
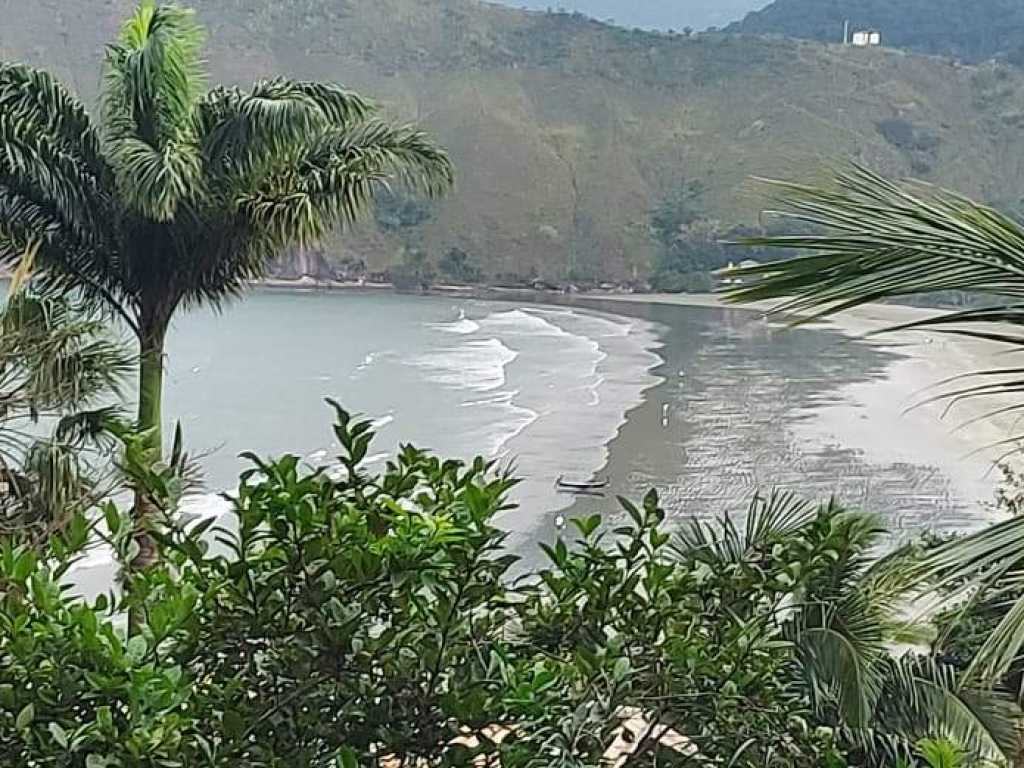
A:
344, 618
974, 31
339, 616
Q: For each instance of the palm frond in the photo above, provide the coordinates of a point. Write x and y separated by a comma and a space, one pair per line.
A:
926, 698
985, 560
63, 359
842, 647
37, 171
781, 514
768, 519
878, 239
403, 153
245, 133
153, 79
92, 428
334, 182
35, 98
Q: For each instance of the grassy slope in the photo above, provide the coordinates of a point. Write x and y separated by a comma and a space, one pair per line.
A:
566, 132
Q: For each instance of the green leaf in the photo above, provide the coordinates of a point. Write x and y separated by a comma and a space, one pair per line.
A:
621, 669
347, 758
136, 649
105, 719
25, 717
59, 735
234, 724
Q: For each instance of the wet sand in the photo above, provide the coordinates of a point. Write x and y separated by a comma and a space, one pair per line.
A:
821, 410
927, 360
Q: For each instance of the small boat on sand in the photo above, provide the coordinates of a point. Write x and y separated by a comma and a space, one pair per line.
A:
589, 487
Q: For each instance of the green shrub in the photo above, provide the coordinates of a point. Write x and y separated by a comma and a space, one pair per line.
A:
340, 617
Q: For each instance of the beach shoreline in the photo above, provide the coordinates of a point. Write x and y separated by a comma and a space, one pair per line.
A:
906, 415
897, 418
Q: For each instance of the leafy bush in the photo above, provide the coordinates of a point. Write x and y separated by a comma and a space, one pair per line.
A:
343, 618
397, 212
459, 267
415, 273
683, 282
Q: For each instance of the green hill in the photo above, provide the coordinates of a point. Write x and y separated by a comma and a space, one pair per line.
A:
975, 30
570, 134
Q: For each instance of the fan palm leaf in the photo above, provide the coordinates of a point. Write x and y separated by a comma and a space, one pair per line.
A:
843, 617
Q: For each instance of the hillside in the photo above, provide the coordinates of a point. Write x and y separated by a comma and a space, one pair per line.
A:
568, 133
971, 31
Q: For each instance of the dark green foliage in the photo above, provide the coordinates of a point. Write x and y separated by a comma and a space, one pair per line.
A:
459, 267
677, 211
415, 273
396, 212
897, 132
671, 281
692, 247
973, 31
60, 371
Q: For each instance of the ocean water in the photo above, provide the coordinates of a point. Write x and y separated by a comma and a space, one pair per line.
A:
708, 406
541, 388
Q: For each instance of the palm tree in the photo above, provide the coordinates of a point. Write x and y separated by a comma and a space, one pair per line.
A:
60, 369
178, 196
865, 238
842, 619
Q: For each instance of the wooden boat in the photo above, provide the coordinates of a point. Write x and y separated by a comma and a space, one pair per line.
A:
598, 485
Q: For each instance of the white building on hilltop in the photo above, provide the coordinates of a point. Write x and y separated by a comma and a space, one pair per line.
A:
866, 38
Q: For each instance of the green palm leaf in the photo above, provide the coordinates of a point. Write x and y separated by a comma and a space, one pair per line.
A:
927, 698
154, 77
866, 238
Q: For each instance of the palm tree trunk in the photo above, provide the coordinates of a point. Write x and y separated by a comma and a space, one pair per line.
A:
151, 386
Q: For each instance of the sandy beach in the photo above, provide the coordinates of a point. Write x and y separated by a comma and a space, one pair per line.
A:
890, 419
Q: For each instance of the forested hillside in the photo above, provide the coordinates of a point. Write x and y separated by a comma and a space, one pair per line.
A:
585, 152
974, 30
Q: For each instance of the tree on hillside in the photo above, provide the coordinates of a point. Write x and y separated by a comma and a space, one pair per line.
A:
873, 239
178, 196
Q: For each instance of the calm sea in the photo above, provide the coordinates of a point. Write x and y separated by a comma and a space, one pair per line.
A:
709, 406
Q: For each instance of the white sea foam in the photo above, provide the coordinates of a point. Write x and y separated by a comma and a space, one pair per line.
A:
381, 422
521, 321
510, 421
463, 326
475, 365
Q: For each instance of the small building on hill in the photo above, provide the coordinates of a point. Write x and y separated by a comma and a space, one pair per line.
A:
866, 38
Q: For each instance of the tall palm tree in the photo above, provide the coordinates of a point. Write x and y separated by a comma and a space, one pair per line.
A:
178, 196
865, 238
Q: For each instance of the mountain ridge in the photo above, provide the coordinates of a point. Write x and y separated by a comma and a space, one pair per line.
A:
568, 133
971, 31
